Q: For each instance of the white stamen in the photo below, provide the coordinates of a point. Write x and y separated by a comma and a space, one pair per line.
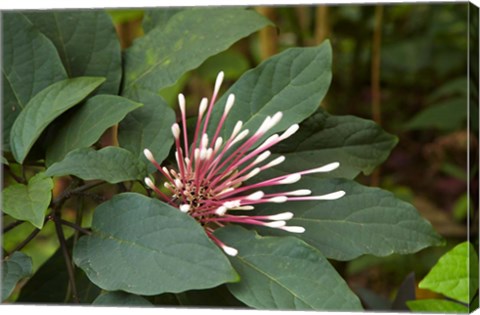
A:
323, 169
167, 185
267, 142
275, 162
228, 106
203, 154
275, 224
187, 161
264, 126
181, 103
185, 208
244, 208
278, 199
218, 144
275, 119
226, 190
204, 142
203, 107
229, 250
290, 131
281, 216
290, 179
252, 173
300, 192
149, 183
232, 204
293, 229
209, 153
236, 129
165, 169
221, 210
262, 157
196, 153
240, 136
148, 154
332, 196
218, 82
255, 196
176, 130
178, 183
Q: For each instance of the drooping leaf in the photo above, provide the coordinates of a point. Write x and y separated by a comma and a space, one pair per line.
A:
284, 273
84, 127
158, 59
294, 82
86, 41
157, 17
15, 268
436, 306
449, 115
148, 127
143, 246
44, 107
119, 298
111, 164
29, 202
358, 144
30, 64
364, 221
455, 275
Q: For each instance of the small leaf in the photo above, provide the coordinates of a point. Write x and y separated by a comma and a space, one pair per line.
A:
86, 41
30, 64
159, 59
111, 164
436, 306
29, 202
4, 160
143, 246
284, 273
84, 127
452, 275
449, 115
293, 82
148, 127
119, 298
14, 268
44, 107
364, 221
358, 144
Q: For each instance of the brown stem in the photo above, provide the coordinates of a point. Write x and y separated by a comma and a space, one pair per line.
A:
268, 35
321, 26
74, 226
18, 179
11, 226
25, 241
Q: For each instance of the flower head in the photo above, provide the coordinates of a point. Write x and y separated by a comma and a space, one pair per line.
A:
211, 174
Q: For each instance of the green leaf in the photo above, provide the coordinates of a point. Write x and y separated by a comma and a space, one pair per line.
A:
30, 64
143, 246
29, 202
436, 306
284, 273
158, 17
364, 221
148, 127
44, 107
111, 164
358, 144
449, 115
86, 41
84, 127
158, 59
14, 268
4, 160
119, 298
452, 275
294, 82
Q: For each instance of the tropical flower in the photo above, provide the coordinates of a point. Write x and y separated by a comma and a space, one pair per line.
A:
209, 180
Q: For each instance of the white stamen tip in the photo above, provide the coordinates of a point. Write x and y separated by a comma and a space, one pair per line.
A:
255, 196
252, 173
326, 168
278, 199
221, 210
176, 130
275, 224
275, 162
232, 204
218, 82
203, 106
269, 141
262, 157
290, 131
149, 183
148, 154
237, 128
240, 136
184, 208
293, 229
333, 196
229, 250
218, 143
281, 216
300, 192
229, 105
290, 179
181, 102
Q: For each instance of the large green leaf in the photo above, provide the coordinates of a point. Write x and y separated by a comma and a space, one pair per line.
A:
436, 306
284, 273
143, 246
29, 202
148, 127
358, 144
111, 164
157, 17
294, 82
86, 41
30, 64
119, 298
158, 59
455, 275
364, 221
44, 107
15, 268
84, 127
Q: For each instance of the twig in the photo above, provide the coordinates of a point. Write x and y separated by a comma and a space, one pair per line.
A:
75, 226
25, 241
18, 179
11, 226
